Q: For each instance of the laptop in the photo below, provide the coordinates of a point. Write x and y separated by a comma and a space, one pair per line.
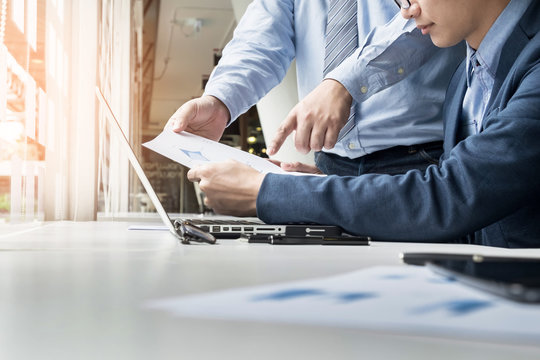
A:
227, 227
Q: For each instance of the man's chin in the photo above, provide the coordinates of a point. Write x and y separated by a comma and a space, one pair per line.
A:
443, 42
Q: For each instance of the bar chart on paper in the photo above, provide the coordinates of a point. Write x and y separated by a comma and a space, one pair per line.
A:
398, 299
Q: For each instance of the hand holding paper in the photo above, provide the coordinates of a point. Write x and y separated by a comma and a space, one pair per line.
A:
230, 186
206, 116
192, 150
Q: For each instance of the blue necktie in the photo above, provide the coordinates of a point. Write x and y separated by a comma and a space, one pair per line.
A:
472, 103
341, 41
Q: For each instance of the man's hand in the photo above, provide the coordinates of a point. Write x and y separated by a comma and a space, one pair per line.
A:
206, 116
297, 167
317, 119
231, 188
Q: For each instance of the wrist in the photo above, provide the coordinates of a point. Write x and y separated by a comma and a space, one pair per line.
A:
339, 91
221, 109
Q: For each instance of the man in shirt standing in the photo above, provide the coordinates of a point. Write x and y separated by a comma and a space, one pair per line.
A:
381, 131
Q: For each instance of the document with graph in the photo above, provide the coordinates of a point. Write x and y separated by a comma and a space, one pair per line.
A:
192, 150
408, 300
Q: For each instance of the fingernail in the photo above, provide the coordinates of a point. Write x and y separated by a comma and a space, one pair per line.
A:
270, 150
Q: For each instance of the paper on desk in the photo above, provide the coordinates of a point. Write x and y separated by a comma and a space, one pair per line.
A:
191, 150
152, 227
409, 300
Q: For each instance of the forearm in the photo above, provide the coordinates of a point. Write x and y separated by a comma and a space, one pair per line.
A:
257, 58
390, 54
466, 193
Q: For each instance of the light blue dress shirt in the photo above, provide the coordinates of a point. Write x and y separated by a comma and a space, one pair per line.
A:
482, 66
397, 77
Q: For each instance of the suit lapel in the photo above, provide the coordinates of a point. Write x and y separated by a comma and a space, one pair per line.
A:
519, 38
454, 106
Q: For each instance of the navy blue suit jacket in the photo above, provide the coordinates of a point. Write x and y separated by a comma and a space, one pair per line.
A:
486, 187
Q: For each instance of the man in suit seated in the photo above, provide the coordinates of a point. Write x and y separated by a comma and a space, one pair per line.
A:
485, 190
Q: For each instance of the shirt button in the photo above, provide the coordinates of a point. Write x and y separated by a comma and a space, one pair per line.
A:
351, 146
401, 71
363, 89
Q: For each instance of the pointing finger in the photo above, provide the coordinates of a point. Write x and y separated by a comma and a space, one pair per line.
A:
284, 130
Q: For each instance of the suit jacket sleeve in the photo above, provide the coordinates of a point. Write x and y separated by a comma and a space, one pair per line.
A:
480, 181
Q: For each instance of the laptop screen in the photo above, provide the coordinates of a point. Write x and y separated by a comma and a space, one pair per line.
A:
122, 139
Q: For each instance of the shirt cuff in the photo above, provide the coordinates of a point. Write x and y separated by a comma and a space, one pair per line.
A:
220, 93
266, 205
389, 55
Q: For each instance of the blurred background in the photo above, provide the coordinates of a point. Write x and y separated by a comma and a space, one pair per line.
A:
57, 159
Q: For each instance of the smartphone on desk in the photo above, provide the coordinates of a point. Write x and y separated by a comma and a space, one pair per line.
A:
514, 278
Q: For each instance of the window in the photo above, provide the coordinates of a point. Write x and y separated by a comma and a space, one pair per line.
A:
47, 117
23, 103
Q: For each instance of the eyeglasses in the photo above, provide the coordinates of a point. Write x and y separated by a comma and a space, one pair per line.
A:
403, 4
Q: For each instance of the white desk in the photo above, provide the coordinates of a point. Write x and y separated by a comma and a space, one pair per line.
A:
75, 290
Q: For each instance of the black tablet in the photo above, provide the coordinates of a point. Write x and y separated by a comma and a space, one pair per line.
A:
514, 278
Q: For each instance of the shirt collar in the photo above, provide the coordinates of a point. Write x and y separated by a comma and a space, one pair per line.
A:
488, 53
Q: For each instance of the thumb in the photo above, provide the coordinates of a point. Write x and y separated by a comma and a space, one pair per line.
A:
183, 116
301, 167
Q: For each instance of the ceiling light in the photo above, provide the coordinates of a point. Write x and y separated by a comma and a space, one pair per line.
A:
189, 26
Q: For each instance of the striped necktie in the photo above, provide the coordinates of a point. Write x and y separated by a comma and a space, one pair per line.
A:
341, 41
341, 33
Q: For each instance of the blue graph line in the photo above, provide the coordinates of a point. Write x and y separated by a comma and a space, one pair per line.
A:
353, 297
195, 155
394, 277
289, 294
456, 307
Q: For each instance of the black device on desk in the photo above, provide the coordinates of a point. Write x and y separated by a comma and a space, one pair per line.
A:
308, 240
233, 228
514, 278
190, 232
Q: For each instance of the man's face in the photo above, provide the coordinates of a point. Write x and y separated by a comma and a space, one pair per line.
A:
447, 21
